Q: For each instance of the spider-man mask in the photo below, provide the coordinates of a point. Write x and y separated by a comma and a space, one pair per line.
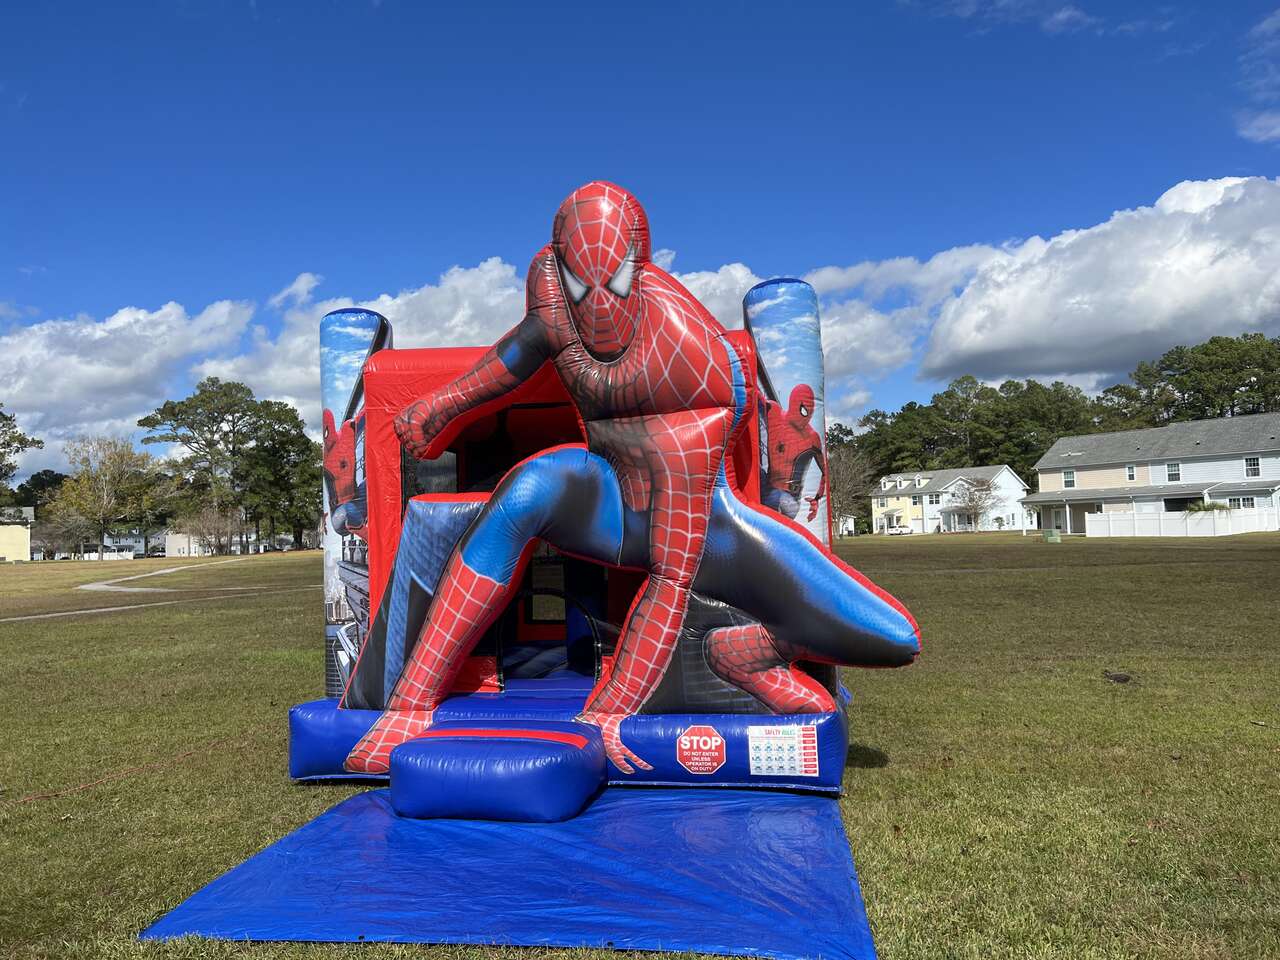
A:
801, 402
601, 240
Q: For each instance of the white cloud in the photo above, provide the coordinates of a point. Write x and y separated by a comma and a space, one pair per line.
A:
466, 306
1260, 77
1051, 16
721, 291
1203, 260
1085, 305
664, 258
859, 339
848, 407
1260, 126
1261, 58
928, 282
1066, 19
69, 376
298, 292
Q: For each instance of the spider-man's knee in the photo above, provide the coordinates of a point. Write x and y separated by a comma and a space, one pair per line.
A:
735, 653
568, 497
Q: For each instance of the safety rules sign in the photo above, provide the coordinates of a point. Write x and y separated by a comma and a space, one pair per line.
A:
790, 751
700, 749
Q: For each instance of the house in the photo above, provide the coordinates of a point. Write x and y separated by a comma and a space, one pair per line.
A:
15, 533
136, 541
184, 545
1144, 474
935, 501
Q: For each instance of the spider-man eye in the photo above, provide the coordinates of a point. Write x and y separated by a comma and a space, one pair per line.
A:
804, 411
620, 283
573, 286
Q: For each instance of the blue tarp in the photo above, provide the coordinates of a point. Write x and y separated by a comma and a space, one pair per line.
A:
725, 871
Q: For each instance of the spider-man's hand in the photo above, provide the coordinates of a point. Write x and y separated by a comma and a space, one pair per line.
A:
813, 508
610, 731
418, 424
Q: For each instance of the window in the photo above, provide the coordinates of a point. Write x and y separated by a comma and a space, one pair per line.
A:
1173, 472
884, 485
915, 500
935, 499
1240, 503
1131, 472
1068, 479
883, 502
1252, 467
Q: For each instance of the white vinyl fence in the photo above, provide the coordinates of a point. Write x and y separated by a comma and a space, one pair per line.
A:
1210, 523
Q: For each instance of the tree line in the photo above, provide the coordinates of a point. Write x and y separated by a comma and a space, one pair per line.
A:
233, 464
237, 463
975, 424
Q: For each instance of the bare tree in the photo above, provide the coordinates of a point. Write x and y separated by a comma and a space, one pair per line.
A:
850, 479
110, 484
974, 498
211, 527
60, 532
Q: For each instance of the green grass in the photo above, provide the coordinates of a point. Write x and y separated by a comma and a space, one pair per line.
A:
50, 587
1003, 799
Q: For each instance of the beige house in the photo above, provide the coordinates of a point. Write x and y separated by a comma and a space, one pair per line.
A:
15, 533
1233, 461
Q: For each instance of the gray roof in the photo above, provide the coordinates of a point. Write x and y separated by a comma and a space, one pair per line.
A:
1256, 433
1216, 488
17, 514
940, 479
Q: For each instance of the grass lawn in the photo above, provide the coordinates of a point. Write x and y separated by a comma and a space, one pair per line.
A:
1003, 798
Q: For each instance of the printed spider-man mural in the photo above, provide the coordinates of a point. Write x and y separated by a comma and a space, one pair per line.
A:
662, 396
793, 446
346, 502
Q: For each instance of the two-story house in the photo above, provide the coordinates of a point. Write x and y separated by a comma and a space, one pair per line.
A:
934, 501
1234, 461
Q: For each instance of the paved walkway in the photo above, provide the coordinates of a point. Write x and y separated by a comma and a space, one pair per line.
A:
156, 603
112, 584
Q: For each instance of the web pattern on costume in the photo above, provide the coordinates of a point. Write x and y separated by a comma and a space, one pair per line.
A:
748, 657
661, 411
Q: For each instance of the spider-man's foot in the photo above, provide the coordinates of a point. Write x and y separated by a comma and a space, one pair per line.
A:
462, 610
747, 657
373, 753
619, 753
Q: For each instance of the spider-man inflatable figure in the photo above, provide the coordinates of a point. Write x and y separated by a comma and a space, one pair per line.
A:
346, 507
662, 395
793, 445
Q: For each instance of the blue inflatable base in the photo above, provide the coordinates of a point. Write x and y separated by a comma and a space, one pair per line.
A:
791, 752
518, 770
726, 871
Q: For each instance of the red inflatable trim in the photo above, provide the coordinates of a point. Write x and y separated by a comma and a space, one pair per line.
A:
554, 736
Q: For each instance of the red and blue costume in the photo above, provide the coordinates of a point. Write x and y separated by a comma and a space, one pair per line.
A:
662, 396
346, 499
793, 445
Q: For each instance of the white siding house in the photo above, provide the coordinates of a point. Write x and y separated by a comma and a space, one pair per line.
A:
1161, 472
931, 501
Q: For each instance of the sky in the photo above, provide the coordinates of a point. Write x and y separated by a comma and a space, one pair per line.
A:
1006, 188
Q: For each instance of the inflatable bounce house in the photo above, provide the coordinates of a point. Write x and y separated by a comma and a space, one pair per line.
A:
591, 557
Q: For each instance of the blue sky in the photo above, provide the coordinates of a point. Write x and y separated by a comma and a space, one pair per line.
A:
225, 157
